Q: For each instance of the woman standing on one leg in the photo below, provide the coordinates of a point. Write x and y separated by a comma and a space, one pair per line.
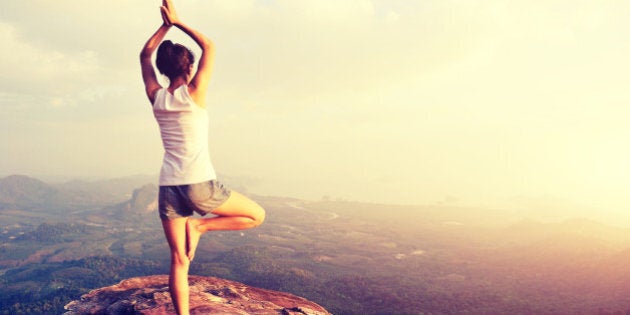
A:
187, 179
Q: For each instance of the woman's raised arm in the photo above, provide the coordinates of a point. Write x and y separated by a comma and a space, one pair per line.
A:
151, 83
199, 83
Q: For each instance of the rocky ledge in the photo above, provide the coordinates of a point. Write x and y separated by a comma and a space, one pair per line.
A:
208, 295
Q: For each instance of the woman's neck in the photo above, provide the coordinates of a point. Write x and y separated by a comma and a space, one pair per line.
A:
177, 83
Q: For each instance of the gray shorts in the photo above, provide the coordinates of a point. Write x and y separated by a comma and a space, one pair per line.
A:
180, 201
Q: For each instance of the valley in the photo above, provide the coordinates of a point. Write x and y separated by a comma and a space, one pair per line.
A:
350, 257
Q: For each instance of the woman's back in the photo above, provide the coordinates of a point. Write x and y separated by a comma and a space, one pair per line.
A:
184, 131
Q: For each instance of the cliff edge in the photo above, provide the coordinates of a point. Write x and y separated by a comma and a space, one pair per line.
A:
208, 295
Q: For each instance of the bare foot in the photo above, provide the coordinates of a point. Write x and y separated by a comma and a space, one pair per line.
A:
192, 237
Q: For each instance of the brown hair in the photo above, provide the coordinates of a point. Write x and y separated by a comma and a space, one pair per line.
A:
174, 60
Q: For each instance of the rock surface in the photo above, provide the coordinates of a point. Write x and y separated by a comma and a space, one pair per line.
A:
208, 295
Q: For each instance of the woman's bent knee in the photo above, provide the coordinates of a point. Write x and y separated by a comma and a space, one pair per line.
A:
259, 218
257, 214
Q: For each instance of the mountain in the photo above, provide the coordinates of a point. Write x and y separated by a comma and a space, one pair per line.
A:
143, 200
19, 192
208, 295
19, 189
117, 189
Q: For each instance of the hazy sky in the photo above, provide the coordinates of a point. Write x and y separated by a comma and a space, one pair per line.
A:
467, 102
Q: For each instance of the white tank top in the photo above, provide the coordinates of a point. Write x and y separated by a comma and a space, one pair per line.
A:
184, 130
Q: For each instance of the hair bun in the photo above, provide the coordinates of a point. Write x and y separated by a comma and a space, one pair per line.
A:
174, 60
166, 47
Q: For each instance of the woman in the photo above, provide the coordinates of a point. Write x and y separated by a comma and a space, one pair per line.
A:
187, 179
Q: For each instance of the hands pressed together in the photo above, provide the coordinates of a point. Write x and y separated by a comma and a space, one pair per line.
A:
169, 15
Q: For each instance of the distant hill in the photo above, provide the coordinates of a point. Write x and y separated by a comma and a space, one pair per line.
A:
20, 192
118, 189
143, 200
20, 189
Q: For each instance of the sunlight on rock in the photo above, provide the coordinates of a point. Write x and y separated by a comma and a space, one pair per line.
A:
208, 295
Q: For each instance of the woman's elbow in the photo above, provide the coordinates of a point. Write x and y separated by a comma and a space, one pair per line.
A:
144, 54
207, 45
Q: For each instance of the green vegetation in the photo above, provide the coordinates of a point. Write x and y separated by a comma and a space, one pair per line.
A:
55, 233
46, 288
